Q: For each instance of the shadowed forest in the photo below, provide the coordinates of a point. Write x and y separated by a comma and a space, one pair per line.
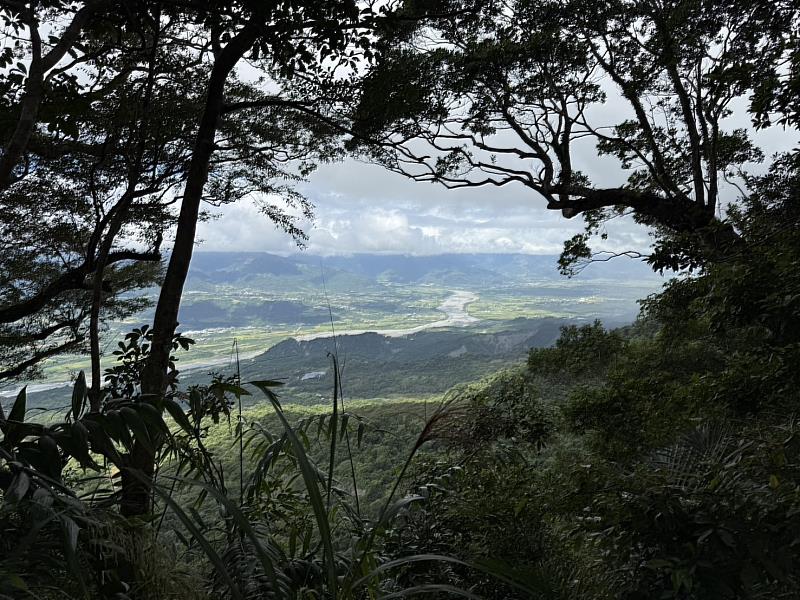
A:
187, 425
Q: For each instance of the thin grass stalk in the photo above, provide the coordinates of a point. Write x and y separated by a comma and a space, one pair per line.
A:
311, 481
338, 379
202, 541
333, 429
349, 448
240, 421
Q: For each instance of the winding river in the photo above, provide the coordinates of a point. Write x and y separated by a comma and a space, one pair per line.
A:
454, 308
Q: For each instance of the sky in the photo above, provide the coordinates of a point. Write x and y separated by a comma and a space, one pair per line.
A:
364, 208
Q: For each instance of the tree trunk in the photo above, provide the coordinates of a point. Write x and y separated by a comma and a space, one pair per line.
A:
34, 87
136, 499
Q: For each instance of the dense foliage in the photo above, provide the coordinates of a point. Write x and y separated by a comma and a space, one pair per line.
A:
657, 460
476, 93
666, 456
661, 460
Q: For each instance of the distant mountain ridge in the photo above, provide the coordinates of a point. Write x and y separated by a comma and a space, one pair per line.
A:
443, 269
375, 365
235, 289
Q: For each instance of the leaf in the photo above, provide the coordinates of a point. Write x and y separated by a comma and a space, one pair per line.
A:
152, 416
16, 581
236, 390
177, 414
774, 482
20, 406
197, 534
659, 563
431, 588
79, 435
117, 428
137, 426
311, 482
100, 439
520, 506
265, 386
267, 558
78, 396
267, 383
396, 507
18, 488
15, 417
50, 456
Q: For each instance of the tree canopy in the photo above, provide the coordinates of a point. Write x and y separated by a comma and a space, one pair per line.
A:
470, 94
657, 460
101, 124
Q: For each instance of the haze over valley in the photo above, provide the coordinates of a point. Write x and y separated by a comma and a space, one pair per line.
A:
286, 313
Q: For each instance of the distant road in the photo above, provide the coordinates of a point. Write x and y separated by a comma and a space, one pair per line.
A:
454, 307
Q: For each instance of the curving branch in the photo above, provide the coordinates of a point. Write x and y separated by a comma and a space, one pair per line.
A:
73, 279
39, 356
34, 86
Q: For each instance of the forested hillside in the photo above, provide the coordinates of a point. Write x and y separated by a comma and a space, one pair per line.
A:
482, 433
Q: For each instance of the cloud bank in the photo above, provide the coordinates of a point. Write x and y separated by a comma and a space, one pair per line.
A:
364, 208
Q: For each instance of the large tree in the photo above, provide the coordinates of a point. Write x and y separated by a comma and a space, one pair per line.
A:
95, 182
175, 105
250, 131
470, 94
85, 151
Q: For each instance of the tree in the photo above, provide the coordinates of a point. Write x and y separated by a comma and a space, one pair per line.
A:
92, 158
160, 104
471, 94
283, 41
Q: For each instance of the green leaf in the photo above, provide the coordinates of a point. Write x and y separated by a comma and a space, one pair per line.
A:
18, 488
177, 414
520, 506
311, 481
51, 459
152, 417
268, 556
100, 439
11, 428
197, 534
71, 530
79, 436
431, 588
20, 406
659, 563
267, 383
265, 386
137, 426
236, 390
78, 396
15, 581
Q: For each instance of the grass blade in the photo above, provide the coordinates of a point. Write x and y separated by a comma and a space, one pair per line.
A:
311, 482
206, 546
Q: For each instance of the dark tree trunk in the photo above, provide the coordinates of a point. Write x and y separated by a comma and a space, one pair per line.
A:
136, 499
34, 87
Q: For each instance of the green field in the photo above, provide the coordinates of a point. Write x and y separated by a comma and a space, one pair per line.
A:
251, 303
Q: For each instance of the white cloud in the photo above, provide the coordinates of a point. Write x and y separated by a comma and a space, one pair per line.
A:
363, 208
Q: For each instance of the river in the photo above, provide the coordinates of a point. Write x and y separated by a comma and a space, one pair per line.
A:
454, 308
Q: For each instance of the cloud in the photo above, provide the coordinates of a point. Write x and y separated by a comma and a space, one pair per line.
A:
363, 208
